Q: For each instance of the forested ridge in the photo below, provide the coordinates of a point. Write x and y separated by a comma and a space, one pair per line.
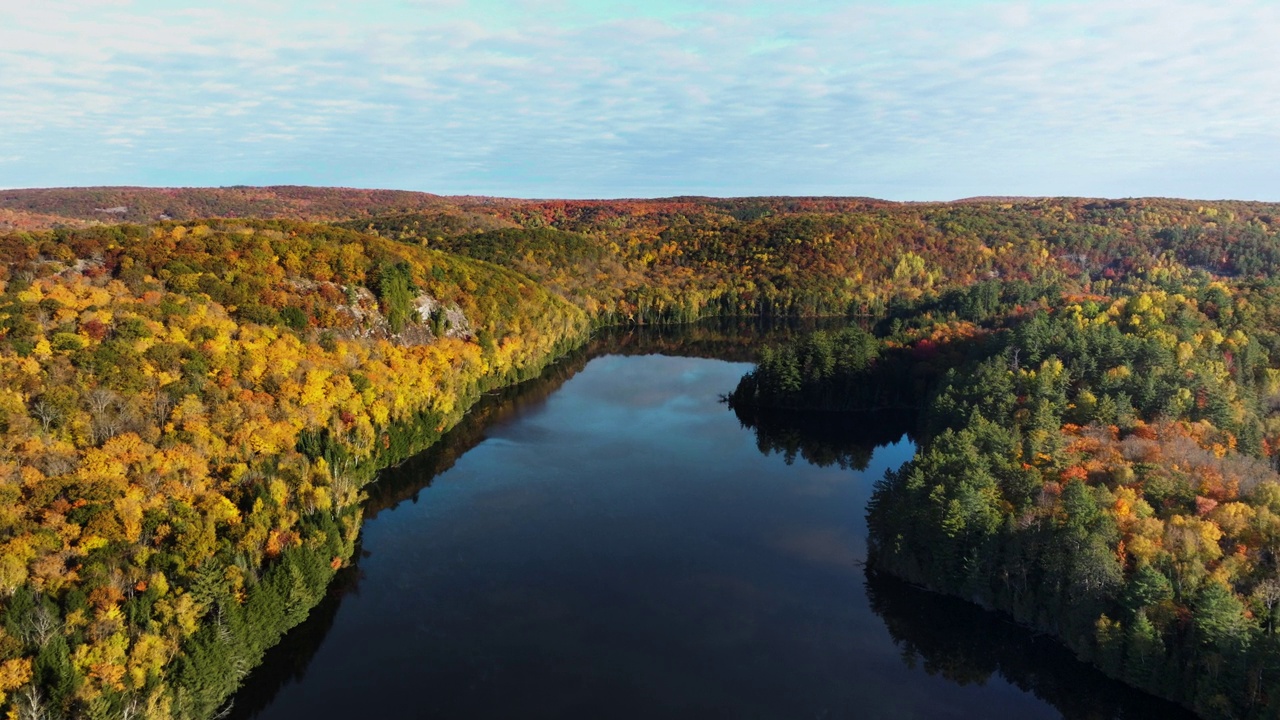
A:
190, 408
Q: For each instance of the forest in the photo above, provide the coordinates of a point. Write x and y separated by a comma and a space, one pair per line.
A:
1102, 468
195, 402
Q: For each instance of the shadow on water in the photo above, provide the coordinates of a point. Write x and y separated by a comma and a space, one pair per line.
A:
967, 645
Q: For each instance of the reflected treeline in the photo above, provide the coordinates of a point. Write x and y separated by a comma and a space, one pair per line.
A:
730, 339
403, 482
965, 644
825, 438
734, 339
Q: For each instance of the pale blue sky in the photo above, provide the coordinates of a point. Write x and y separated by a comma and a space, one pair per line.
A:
911, 100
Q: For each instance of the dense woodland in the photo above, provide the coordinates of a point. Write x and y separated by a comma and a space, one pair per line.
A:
1096, 458
190, 408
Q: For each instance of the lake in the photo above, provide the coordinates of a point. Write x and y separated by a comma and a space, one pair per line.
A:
613, 542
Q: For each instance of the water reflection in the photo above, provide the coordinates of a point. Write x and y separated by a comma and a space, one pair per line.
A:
729, 339
967, 645
732, 339
844, 439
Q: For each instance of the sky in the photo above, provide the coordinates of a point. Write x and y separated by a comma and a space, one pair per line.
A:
903, 100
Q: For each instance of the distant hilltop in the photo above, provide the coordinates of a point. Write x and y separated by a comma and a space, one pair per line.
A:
45, 208
49, 207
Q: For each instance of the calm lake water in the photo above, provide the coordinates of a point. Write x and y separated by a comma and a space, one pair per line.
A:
619, 546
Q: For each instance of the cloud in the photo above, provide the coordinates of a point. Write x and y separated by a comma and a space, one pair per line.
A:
913, 101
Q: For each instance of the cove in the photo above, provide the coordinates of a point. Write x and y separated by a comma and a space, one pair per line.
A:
612, 541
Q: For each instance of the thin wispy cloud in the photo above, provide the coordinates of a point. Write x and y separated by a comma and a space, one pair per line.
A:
916, 100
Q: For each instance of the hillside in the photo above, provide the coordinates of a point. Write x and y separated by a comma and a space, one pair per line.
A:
188, 415
641, 261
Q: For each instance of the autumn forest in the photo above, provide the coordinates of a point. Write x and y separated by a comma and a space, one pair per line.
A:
198, 387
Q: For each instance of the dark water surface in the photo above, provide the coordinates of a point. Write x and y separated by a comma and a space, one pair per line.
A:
618, 546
